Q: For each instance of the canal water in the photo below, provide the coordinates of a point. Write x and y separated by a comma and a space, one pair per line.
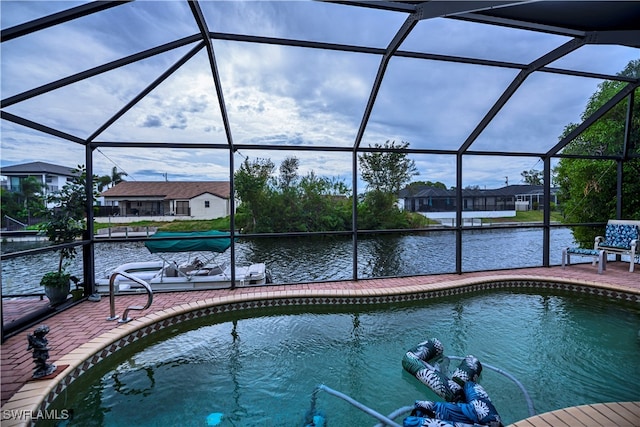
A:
296, 260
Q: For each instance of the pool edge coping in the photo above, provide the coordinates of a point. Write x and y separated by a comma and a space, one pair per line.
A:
35, 396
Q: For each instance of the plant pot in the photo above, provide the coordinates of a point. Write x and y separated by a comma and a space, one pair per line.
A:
57, 294
57, 286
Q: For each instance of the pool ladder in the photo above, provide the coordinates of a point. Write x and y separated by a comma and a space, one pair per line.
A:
112, 301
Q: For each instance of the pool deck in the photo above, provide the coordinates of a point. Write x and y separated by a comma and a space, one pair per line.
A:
82, 330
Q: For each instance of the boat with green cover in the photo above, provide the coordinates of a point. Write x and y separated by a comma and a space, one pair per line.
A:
198, 271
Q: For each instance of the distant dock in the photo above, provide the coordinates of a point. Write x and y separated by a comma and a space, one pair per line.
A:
22, 236
126, 232
105, 233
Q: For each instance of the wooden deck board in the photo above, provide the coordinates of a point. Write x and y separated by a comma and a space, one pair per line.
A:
624, 411
573, 417
535, 421
594, 417
614, 414
559, 418
613, 419
624, 414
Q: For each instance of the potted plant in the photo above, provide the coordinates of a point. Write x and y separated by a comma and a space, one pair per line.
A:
65, 225
61, 229
57, 285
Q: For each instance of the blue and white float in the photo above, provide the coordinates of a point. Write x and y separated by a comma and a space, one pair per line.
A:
466, 401
466, 404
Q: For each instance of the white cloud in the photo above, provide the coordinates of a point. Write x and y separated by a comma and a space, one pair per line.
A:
20, 146
304, 20
534, 118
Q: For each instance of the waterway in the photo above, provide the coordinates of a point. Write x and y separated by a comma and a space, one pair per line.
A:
298, 260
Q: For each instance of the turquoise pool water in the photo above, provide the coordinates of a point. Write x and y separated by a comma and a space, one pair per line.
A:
566, 349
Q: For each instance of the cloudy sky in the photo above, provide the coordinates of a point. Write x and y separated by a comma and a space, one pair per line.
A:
289, 96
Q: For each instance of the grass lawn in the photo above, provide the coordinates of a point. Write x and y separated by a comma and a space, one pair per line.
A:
213, 224
223, 223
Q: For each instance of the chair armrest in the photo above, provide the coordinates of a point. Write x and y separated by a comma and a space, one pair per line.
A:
597, 241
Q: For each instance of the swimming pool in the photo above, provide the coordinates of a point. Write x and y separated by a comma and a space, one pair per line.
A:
259, 368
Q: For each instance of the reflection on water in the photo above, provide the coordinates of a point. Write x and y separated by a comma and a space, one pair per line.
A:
296, 260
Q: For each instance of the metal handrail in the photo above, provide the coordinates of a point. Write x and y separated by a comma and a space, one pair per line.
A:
112, 302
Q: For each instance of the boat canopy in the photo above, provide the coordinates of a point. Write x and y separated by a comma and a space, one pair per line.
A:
189, 242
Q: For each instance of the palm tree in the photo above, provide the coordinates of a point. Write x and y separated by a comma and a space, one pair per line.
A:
116, 177
110, 180
102, 182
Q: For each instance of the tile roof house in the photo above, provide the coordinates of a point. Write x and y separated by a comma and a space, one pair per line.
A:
192, 199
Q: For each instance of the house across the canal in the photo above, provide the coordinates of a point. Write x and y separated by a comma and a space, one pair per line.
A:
439, 203
51, 177
196, 200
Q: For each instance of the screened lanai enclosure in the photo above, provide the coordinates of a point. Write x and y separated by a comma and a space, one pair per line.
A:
473, 94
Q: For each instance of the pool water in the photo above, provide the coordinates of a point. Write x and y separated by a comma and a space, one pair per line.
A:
565, 349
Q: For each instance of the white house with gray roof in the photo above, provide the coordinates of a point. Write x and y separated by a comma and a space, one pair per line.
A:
54, 177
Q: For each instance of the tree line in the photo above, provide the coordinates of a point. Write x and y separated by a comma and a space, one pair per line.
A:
287, 202
588, 187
